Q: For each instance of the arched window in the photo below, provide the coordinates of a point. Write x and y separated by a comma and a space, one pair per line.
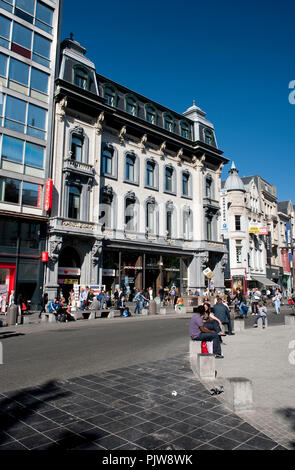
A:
185, 129
76, 148
131, 105
81, 77
185, 183
169, 217
74, 202
169, 179
130, 168
151, 114
107, 161
130, 213
168, 122
209, 187
150, 216
110, 95
106, 207
187, 223
150, 174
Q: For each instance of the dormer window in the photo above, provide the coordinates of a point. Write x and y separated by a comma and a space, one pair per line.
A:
168, 122
131, 105
151, 114
81, 77
185, 129
209, 138
110, 95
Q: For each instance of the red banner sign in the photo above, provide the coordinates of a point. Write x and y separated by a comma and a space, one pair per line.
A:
48, 195
285, 260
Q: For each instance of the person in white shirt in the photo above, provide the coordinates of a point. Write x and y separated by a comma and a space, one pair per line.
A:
262, 311
277, 301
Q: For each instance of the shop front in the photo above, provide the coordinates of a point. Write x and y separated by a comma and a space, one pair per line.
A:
133, 271
21, 268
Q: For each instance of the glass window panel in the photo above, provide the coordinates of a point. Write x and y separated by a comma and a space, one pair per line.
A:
107, 160
169, 223
109, 94
30, 194
130, 168
19, 72
3, 65
74, 202
168, 179
34, 155
44, 13
185, 179
15, 114
36, 121
150, 171
39, 80
26, 5
9, 190
130, 214
76, 149
41, 50
4, 31
6, 4
22, 36
12, 148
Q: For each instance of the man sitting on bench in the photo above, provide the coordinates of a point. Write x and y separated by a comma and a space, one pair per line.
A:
199, 332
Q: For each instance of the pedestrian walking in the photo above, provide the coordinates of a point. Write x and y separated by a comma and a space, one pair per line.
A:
43, 303
262, 311
277, 301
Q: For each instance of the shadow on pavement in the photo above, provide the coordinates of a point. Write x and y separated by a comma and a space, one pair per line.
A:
10, 334
289, 414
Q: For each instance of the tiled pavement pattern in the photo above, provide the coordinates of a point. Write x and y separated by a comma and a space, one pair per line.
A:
125, 409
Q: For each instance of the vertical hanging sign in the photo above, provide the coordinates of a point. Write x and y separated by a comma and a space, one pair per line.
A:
48, 195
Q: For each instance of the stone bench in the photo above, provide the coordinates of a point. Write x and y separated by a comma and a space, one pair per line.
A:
113, 314
48, 317
180, 309
202, 365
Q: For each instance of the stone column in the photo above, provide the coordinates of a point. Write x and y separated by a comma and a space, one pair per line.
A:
55, 246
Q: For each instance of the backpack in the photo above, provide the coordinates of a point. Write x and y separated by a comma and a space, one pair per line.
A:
51, 309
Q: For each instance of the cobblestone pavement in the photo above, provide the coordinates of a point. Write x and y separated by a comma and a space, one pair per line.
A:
126, 409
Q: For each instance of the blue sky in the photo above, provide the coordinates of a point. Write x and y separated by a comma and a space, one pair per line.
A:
234, 57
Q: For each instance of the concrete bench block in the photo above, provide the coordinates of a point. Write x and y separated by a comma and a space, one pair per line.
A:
289, 319
163, 311
92, 316
238, 393
144, 311
259, 323
77, 314
206, 366
239, 324
114, 313
26, 319
202, 365
51, 318
179, 309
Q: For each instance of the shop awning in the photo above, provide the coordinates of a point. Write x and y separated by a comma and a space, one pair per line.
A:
264, 280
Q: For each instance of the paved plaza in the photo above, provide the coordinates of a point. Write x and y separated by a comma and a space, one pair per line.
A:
133, 407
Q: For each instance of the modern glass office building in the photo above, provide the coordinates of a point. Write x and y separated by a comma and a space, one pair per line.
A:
29, 40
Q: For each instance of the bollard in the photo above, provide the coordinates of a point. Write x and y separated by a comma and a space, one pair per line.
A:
144, 311
152, 307
51, 318
163, 311
12, 313
238, 393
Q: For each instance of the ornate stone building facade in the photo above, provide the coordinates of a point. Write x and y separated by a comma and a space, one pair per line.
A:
136, 188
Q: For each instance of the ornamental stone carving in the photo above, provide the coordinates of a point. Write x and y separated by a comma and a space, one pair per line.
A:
98, 124
55, 246
61, 109
96, 252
